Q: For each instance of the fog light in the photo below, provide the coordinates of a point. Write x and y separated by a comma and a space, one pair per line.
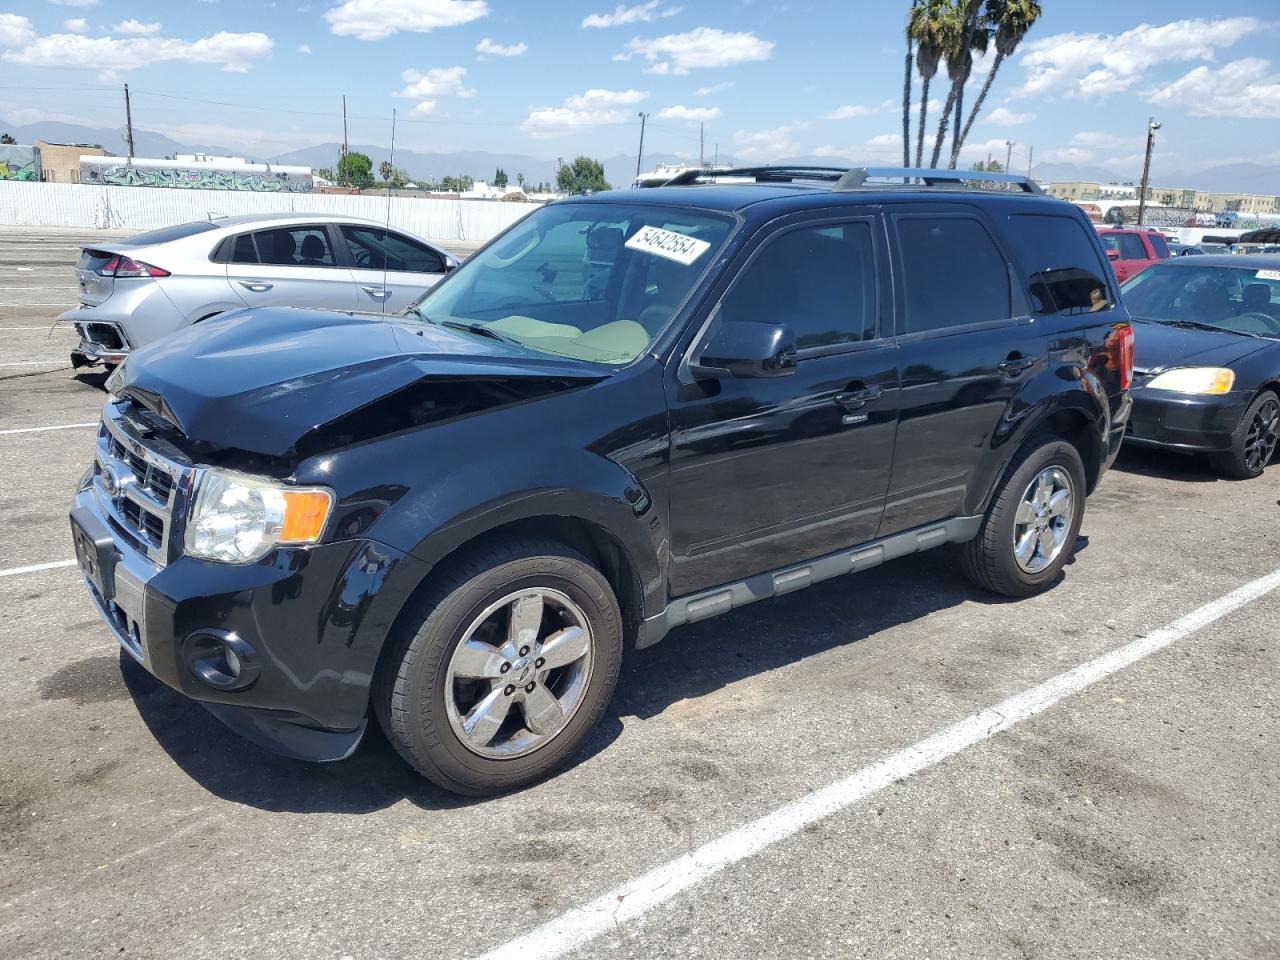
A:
221, 660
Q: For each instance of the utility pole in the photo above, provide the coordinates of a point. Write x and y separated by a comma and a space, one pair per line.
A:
342, 161
128, 119
1008, 154
1152, 126
1031, 154
702, 143
640, 154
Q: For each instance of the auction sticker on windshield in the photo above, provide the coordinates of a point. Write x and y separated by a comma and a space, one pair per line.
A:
669, 244
1268, 274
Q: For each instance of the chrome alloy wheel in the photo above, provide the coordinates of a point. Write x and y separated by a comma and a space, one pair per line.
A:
519, 674
1043, 520
1263, 433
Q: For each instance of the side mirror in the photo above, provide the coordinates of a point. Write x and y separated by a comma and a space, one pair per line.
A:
742, 349
1113, 254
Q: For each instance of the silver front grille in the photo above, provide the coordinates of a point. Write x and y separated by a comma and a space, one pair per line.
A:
139, 488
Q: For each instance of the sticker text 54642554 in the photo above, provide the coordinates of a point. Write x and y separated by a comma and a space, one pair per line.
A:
669, 244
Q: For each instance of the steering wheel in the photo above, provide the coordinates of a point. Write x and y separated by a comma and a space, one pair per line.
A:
361, 258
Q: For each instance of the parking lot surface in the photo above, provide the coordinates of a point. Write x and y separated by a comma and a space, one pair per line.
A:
1138, 816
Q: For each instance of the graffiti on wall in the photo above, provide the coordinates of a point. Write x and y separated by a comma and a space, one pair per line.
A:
18, 162
190, 178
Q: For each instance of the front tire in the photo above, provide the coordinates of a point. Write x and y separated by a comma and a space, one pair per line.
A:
1029, 531
1254, 442
502, 669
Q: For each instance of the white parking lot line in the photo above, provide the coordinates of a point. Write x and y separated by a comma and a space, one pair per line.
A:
61, 426
31, 363
637, 897
36, 568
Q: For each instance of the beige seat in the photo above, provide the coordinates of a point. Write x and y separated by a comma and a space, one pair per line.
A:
529, 328
622, 340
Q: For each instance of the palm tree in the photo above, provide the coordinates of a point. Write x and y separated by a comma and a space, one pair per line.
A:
932, 24
906, 91
976, 36
952, 32
386, 170
1011, 20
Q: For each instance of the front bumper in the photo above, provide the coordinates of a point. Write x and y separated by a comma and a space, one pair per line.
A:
316, 620
1178, 421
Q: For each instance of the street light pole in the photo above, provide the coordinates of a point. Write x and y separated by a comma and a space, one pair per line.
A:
640, 154
1152, 126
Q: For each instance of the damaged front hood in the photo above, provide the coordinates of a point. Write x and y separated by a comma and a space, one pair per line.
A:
264, 381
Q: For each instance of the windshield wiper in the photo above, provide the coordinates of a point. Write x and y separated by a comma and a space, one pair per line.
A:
477, 328
1197, 325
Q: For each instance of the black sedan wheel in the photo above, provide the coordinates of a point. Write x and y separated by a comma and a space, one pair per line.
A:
1255, 441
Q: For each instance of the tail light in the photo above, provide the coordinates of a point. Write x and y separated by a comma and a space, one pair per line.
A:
121, 266
1124, 344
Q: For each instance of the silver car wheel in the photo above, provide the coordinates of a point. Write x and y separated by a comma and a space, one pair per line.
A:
519, 674
1043, 520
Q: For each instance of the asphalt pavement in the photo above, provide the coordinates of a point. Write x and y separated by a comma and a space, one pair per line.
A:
767, 784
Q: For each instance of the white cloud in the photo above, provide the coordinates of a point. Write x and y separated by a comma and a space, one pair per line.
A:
235, 52
1096, 139
848, 112
487, 48
1098, 64
378, 19
1243, 88
76, 25
136, 28
437, 82
693, 114
594, 108
642, 13
770, 144
1069, 155
678, 53
304, 48
73, 3
713, 89
1003, 117
15, 30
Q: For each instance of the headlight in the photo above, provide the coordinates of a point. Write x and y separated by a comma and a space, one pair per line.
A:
239, 519
1206, 380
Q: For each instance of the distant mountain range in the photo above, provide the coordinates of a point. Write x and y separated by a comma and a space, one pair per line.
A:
620, 169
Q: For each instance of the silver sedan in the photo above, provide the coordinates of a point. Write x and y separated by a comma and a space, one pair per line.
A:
141, 289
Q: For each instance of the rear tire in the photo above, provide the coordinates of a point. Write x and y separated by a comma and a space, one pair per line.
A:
478, 648
1040, 506
1254, 443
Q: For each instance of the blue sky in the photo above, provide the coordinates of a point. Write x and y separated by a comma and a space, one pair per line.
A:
769, 79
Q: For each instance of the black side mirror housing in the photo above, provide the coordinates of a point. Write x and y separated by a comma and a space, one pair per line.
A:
741, 349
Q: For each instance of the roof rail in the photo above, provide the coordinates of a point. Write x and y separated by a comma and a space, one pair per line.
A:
777, 174
856, 178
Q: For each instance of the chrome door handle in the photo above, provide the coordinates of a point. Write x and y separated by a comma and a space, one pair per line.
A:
257, 286
378, 293
1015, 366
855, 399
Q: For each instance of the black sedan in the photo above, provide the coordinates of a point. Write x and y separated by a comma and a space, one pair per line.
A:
1207, 352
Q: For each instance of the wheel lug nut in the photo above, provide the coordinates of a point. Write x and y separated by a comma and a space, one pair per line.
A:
524, 651
529, 688
505, 667
510, 690
539, 662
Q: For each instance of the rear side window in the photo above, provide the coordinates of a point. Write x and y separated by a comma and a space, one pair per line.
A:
243, 250
1063, 269
1128, 245
819, 281
1159, 246
286, 247
953, 272
375, 249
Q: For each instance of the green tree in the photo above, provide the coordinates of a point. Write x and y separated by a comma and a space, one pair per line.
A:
1011, 19
7, 138
386, 171
456, 184
994, 166
357, 170
1169, 200
932, 26
584, 175
965, 35
500, 179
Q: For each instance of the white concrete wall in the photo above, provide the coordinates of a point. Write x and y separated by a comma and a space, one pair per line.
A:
90, 206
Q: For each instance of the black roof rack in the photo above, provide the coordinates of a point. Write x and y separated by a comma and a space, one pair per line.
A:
845, 180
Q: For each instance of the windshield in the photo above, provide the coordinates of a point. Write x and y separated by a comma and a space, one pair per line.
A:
591, 281
1236, 299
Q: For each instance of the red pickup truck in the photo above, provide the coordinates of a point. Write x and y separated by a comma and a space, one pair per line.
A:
1132, 251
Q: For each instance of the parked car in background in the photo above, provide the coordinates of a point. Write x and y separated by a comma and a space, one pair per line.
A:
630, 411
1207, 365
1209, 246
1132, 251
1246, 248
1187, 250
135, 291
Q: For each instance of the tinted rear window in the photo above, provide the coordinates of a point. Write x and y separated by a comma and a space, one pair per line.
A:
167, 234
1161, 248
955, 274
1063, 270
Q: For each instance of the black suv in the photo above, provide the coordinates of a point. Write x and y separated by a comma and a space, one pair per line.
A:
628, 412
